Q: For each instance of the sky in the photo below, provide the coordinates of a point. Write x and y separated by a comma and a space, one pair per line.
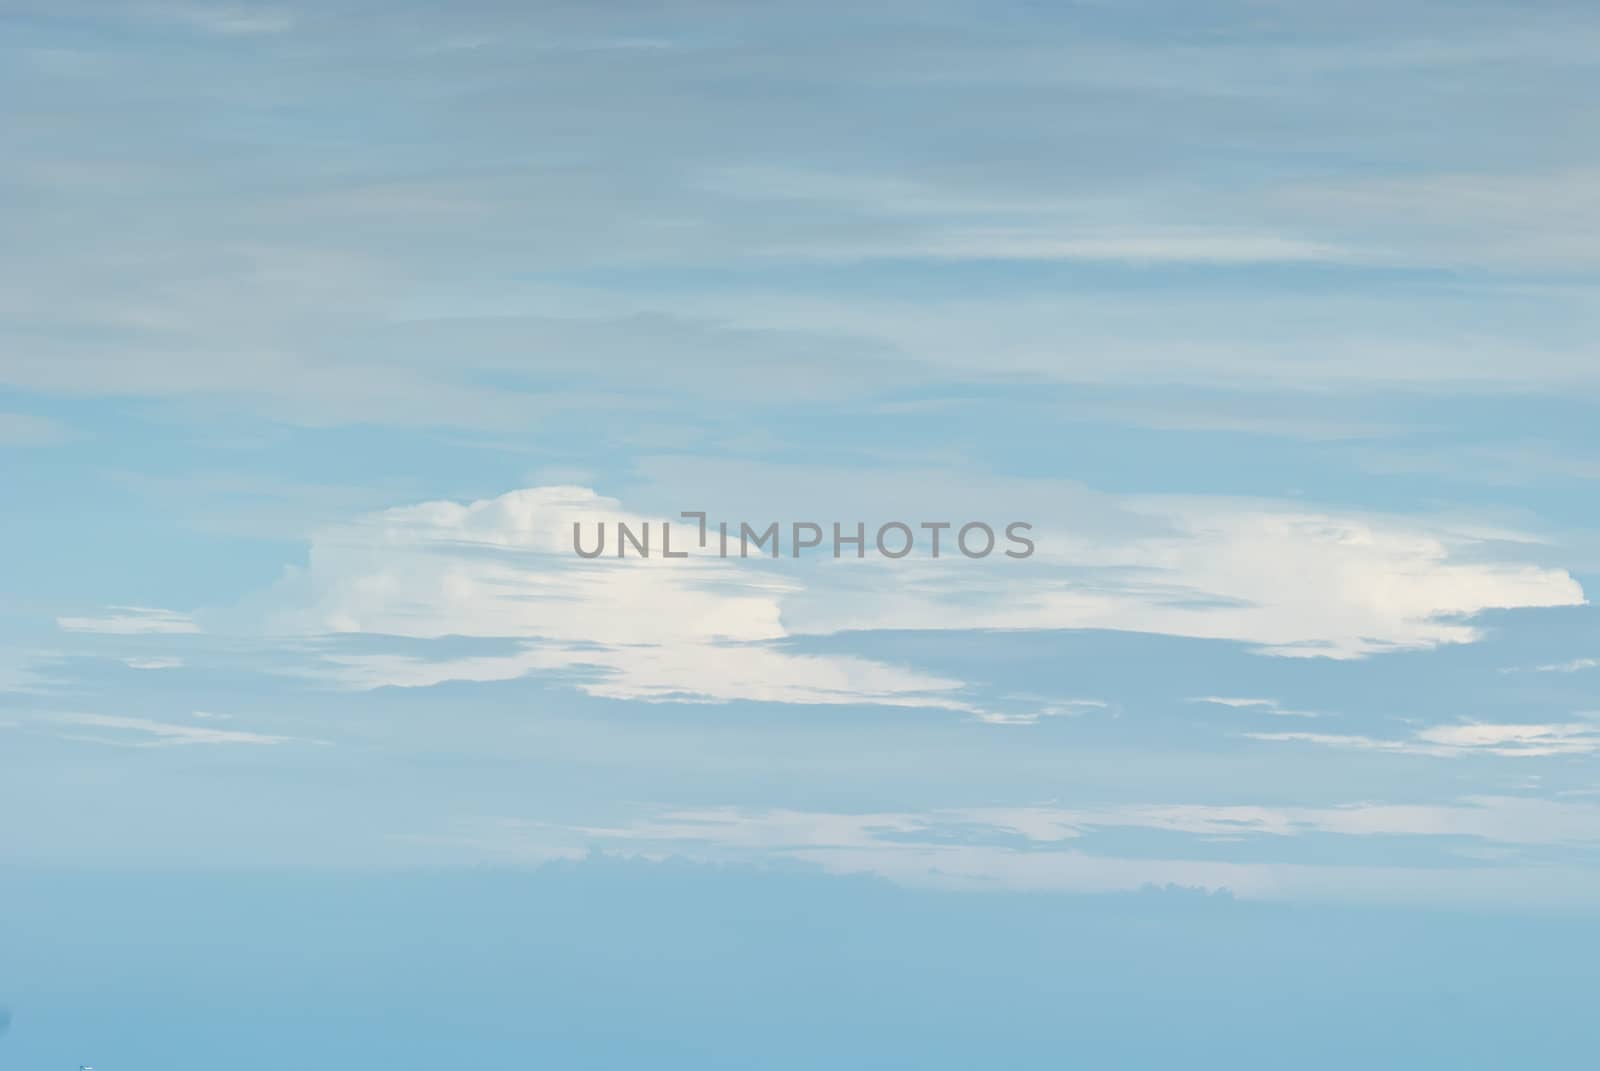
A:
323, 325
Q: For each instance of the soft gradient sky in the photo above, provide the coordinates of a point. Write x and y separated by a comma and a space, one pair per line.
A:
320, 323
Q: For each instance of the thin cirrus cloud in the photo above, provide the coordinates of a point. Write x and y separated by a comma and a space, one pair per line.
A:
277, 276
147, 733
923, 220
132, 621
169, 662
1051, 848
1576, 665
1454, 741
1501, 819
1264, 706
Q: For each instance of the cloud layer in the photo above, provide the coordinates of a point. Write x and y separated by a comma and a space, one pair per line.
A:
1291, 583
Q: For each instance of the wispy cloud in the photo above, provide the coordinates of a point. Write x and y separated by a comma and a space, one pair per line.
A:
228, 20
165, 662
132, 621
1048, 848
1452, 741
146, 733
1264, 706
1033, 710
1576, 665
1194, 246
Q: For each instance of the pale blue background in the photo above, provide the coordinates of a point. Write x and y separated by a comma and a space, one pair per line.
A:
1153, 276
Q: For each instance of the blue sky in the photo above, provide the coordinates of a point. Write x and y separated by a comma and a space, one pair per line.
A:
321, 325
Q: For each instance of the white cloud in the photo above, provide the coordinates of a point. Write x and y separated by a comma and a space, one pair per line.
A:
977, 848
153, 663
1574, 666
132, 621
1451, 741
228, 20
1265, 706
1174, 246
145, 733
1503, 819
641, 629
1034, 708
1359, 341
1291, 582
671, 671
